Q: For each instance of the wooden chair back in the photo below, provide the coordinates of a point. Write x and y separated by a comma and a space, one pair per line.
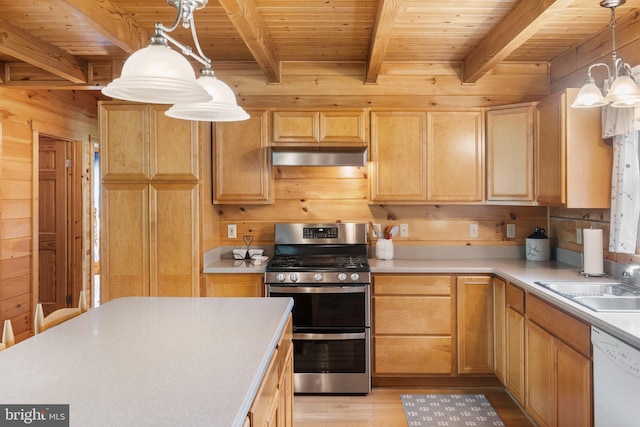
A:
7, 335
42, 323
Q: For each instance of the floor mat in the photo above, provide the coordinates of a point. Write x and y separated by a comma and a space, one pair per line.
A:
449, 410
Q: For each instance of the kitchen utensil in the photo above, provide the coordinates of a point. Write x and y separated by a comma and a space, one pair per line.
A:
239, 253
393, 232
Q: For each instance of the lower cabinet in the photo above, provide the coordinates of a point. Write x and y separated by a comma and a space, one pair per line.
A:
557, 367
413, 324
514, 340
273, 404
234, 285
475, 324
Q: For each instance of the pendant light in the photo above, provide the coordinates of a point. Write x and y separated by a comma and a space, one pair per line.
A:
621, 91
158, 74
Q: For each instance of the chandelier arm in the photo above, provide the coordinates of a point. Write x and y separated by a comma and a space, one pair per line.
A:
186, 50
160, 27
194, 35
614, 54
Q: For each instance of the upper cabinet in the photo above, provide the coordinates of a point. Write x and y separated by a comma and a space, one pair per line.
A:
510, 142
242, 164
573, 162
319, 127
427, 157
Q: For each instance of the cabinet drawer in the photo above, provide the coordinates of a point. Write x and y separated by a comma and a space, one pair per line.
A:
261, 410
413, 355
563, 326
515, 298
412, 315
408, 284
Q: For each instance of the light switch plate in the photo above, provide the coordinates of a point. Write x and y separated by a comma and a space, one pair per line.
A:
232, 232
404, 230
473, 230
511, 231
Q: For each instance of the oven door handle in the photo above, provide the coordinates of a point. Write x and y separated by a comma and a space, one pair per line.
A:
317, 289
330, 337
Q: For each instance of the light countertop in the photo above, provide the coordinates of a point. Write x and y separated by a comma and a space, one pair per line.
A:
523, 273
148, 361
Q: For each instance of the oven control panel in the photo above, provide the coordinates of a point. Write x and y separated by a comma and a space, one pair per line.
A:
325, 277
320, 233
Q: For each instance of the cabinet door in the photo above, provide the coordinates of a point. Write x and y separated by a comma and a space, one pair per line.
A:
499, 329
550, 151
398, 154
343, 127
412, 355
174, 147
295, 127
574, 387
475, 325
124, 132
234, 285
510, 154
418, 315
124, 241
455, 157
174, 248
540, 378
514, 374
242, 163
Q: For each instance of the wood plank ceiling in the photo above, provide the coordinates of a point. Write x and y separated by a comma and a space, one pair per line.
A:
81, 44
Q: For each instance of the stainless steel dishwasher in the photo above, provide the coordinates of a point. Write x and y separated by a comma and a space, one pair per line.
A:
616, 381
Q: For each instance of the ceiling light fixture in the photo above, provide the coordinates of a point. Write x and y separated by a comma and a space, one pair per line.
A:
158, 74
620, 89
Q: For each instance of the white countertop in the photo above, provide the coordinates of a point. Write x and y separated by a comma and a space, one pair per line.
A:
625, 326
148, 361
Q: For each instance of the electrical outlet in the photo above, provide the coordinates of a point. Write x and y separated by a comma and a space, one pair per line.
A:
473, 230
232, 232
404, 230
511, 231
579, 236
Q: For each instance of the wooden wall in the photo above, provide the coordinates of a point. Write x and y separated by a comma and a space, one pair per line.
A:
331, 194
23, 116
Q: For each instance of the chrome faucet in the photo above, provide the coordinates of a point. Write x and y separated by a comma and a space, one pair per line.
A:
629, 271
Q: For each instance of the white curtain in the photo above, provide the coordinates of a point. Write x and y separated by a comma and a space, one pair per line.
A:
623, 124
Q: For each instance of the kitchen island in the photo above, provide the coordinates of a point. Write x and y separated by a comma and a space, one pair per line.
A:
151, 361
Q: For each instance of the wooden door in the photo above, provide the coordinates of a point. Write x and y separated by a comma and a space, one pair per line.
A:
514, 371
455, 155
499, 328
398, 174
52, 225
475, 325
540, 375
550, 151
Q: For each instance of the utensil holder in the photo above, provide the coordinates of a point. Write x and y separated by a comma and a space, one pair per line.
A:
384, 249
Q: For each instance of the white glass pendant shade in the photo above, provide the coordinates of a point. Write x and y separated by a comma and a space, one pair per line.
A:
624, 92
222, 108
589, 96
157, 74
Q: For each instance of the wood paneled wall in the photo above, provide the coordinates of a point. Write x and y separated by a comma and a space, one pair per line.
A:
331, 194
23, 116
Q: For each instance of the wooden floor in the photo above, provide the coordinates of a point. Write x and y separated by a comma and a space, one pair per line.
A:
383, 408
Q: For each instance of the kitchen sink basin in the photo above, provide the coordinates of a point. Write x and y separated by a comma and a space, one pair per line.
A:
599, 296
606, 303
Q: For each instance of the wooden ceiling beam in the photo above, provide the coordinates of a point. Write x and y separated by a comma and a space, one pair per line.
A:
385, 18
528, 17
24, 46
114, 24
247, 21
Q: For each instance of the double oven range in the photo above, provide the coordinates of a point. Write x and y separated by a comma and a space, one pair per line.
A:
324, 268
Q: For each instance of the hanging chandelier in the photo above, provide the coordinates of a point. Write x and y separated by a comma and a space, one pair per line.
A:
620, 89
157, 74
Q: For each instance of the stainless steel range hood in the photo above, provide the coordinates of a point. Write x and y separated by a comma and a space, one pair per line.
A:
319, 156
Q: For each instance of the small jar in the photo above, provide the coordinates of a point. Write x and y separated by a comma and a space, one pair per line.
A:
384, 249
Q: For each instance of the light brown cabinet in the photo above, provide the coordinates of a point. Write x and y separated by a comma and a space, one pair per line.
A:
413, 325
558, 366
475, 325
242, 171
273, 404
234, 285
510, 147
499, 329
340, 127
150, 202
441, 160
573, 162
514, 341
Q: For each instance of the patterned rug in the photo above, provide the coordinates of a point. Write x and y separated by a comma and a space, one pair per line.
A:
449, 410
